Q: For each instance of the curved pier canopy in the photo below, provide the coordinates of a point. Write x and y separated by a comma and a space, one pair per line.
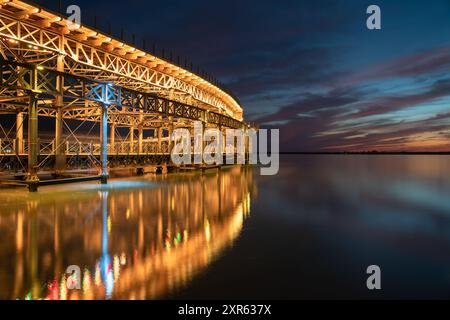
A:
47, 36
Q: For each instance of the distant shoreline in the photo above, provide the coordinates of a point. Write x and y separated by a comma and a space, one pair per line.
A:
365, 153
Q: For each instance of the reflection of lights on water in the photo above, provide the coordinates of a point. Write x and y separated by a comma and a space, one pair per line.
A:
247, 205
63, 289
177, 239
167, 240
115, 185
123, 259
107, 274
207, 231
177, 252
109, 285
105, 266
86, 280
53, 292
109, 224
238, 219
97, 276
72, 281
116, 265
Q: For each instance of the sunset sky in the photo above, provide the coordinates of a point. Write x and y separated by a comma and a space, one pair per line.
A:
311, 68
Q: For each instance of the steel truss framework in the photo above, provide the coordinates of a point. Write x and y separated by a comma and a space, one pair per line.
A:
127, 105
36, 91
48, 70
31, 34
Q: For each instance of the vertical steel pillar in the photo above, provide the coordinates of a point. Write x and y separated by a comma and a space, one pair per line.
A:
112, 138
249, 145
224, 144
60, 160
171, 125
19, 124
219, 191
160, 132
104, 144
170, 129
140, 133
58, 132
33, 145
132, 139
205, 126
19, 133
59, 148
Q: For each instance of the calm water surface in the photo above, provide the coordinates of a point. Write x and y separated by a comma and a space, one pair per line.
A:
309, 232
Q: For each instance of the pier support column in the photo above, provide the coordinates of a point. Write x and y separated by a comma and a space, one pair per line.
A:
170, 129
171, 125
59, 146
60, 160
131, 139
159, 133
251, 155
19, 133
33, 144
112, 138
104, 144
222, 142
205, 126
140, 138
140, 133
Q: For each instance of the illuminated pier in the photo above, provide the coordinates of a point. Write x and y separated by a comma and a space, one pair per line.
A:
108, 103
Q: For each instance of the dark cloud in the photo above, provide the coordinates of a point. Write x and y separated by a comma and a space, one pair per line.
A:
315, 104
299, 69
303, 123
305, 66
391, 103
426, 63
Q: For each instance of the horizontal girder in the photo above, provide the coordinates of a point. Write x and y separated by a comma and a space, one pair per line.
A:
18, 80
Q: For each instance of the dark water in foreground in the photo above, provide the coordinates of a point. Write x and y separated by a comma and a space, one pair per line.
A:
309, 232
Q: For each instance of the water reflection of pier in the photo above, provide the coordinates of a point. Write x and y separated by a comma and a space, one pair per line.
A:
138, 241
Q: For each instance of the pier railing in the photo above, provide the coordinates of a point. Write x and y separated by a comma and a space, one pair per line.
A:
11, 147
48, 147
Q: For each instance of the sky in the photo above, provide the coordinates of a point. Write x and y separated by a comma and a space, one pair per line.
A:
311, 69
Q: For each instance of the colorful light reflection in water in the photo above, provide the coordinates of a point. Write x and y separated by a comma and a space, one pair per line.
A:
136, 241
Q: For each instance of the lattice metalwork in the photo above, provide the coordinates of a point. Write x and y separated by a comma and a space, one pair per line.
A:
44, 83
31, 34
50, 71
